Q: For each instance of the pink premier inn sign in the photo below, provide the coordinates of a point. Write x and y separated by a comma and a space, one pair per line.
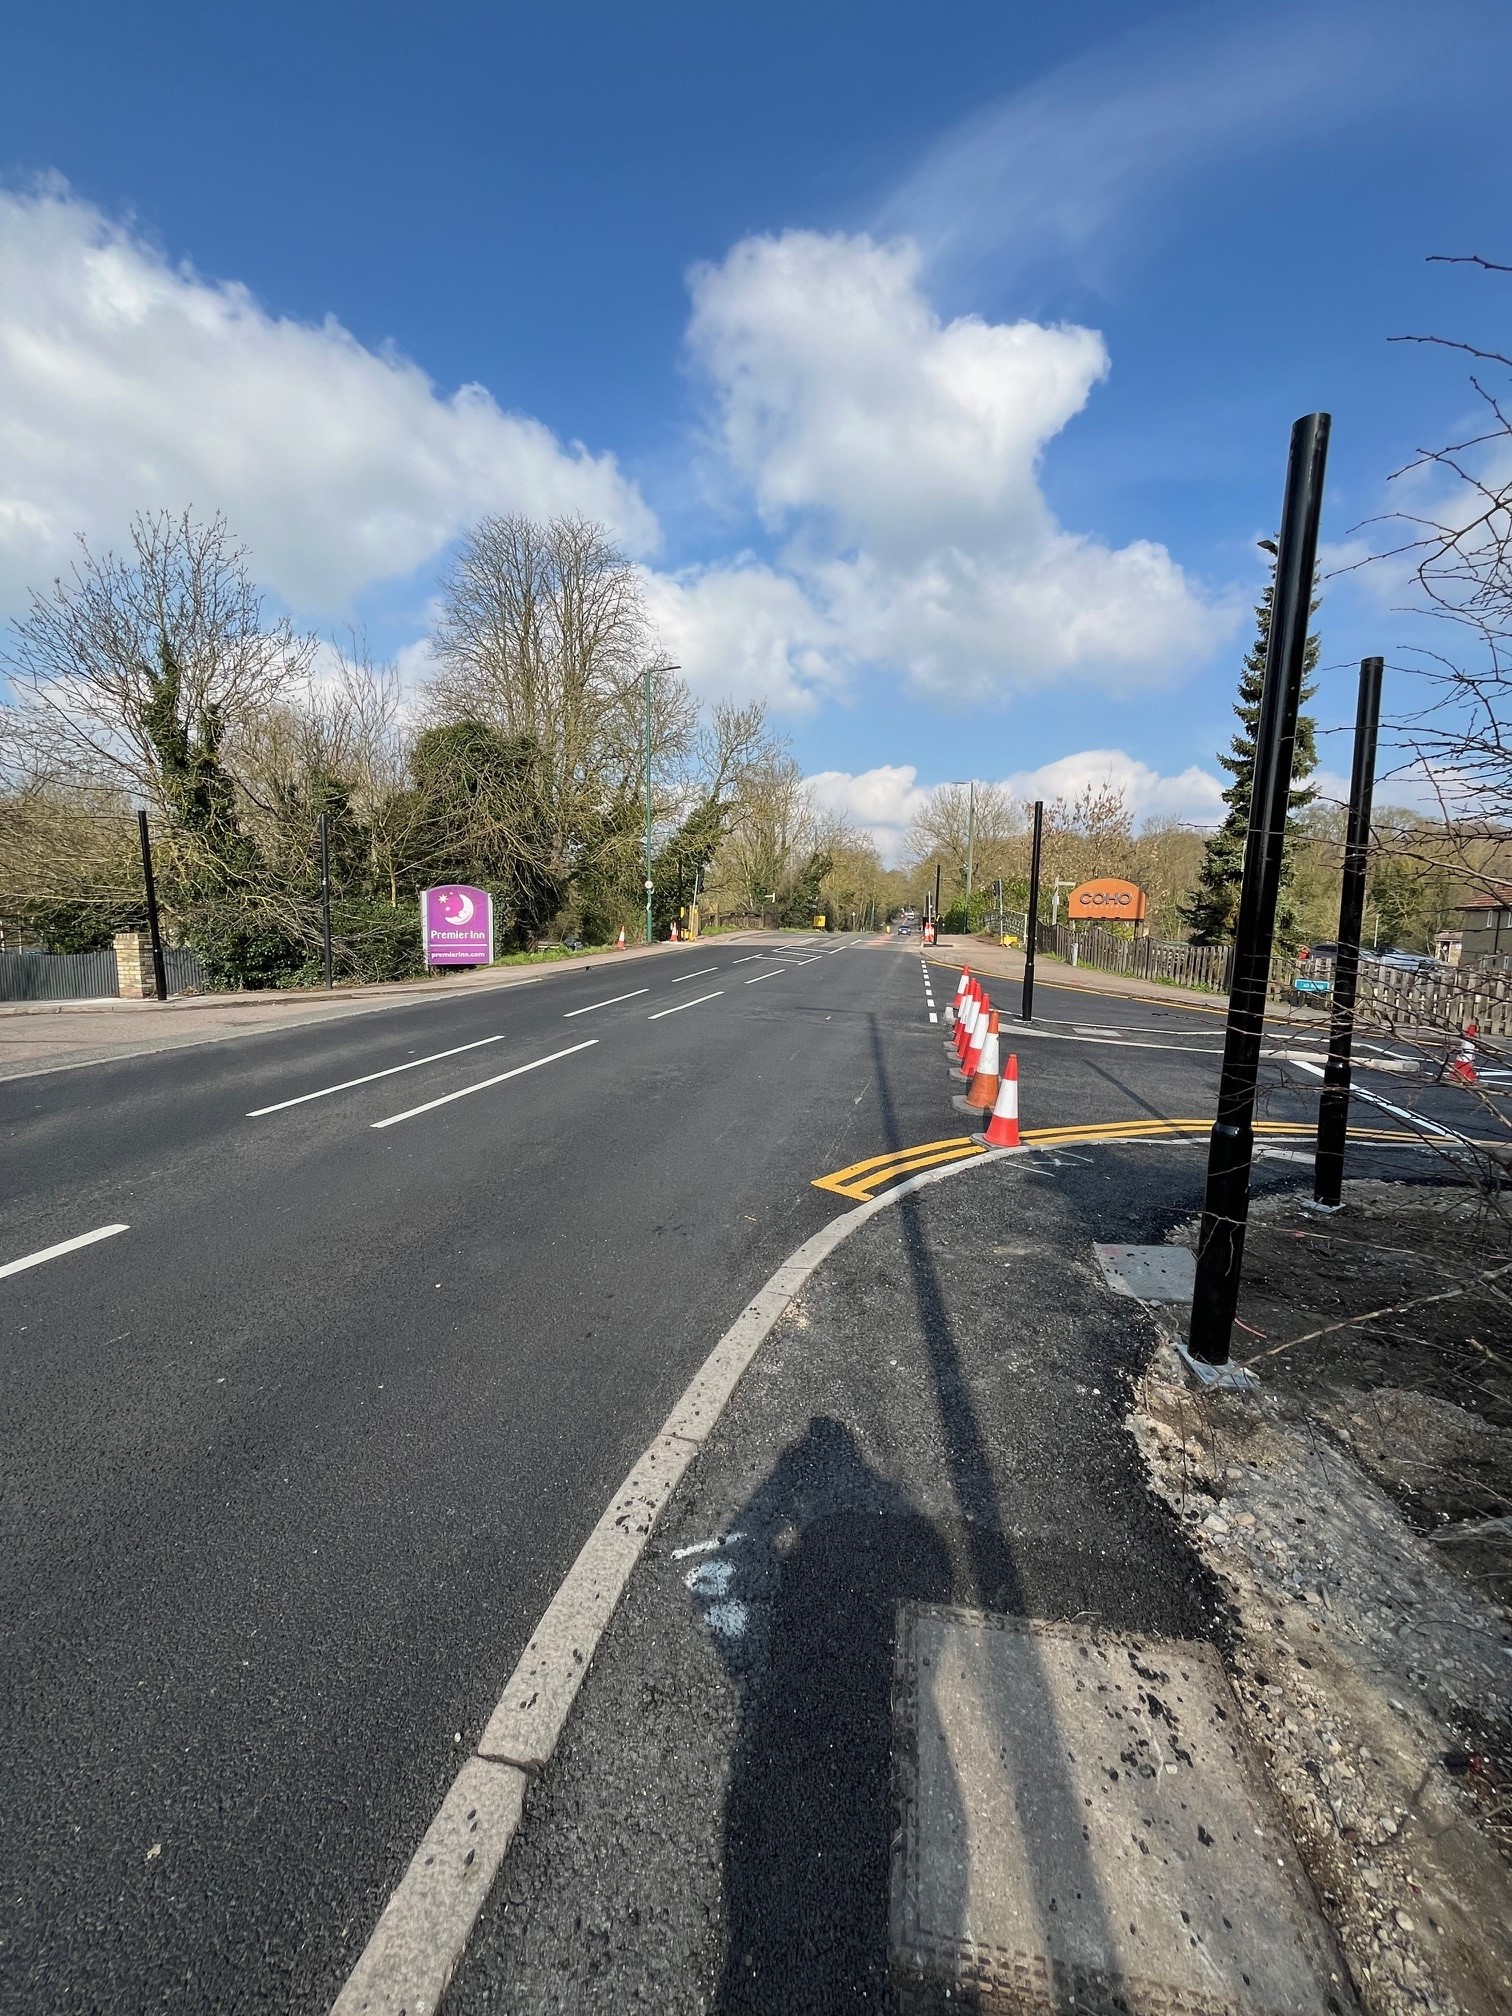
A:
456, 923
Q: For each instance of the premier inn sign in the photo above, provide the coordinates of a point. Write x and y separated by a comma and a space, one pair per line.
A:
1106, 900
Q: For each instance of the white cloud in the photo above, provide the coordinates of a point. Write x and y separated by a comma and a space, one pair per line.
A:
127, 382
840, 391
1066, 174
746, 632
894, 455
885, 799
1193, 795
899, 455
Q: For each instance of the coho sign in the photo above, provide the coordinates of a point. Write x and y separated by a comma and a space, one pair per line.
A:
456, 925
1097, 901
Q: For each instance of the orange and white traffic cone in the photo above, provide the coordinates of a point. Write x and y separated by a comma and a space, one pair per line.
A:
965, 1025
953, 1005
981, 1095
1003, 1128
619, 943
978, 1043
1462, 1070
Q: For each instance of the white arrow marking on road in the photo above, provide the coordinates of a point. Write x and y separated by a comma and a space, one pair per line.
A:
605, 1004
347, 1084
484, 1083
677, 1010
64, 1246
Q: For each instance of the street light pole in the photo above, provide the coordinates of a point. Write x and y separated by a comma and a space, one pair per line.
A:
970, 845
648, 805
154, 929
325, 892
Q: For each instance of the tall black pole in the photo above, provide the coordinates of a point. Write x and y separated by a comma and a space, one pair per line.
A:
1225, 1210
1031, 922
325, 892
154, 930
1333, 1108
937, 896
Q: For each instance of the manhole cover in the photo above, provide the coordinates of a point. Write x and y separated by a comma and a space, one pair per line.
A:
1080, 1827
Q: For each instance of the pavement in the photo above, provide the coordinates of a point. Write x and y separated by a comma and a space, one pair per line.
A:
298, 1456
937, 1421
53, 1035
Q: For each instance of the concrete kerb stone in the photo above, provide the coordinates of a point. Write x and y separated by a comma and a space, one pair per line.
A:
533, 1709
418, 1941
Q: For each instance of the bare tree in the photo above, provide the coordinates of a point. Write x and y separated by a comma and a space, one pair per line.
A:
135, 673
543, 637
1459, 546
939, 832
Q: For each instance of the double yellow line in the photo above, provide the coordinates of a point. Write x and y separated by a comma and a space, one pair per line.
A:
863, 1180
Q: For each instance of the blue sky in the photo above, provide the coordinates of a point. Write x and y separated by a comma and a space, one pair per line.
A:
937, 367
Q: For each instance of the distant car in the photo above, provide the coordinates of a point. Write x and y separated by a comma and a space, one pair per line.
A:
1408, 962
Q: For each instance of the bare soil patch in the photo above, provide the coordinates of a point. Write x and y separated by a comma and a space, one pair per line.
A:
1357, 1508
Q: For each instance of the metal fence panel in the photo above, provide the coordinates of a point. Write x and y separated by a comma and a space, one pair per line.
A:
88, 976
184, 972
58, 976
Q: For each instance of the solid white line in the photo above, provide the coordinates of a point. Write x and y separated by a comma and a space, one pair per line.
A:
413, 1065
677, 1010
748, 958
761, 976
605, 1004
483, 1084
1397, 1112
65, 1246
702, 973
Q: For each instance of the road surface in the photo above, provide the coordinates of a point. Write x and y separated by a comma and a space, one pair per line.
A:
295, 1459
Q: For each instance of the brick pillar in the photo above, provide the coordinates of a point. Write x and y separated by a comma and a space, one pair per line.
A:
134, 981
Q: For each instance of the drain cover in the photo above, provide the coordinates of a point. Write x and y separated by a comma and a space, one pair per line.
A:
1080, 1827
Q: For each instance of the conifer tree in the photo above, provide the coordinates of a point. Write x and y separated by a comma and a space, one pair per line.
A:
1209, 913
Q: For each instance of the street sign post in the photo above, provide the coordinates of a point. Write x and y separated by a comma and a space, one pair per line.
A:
456, 924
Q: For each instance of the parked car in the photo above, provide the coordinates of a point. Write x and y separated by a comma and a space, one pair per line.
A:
1408, 962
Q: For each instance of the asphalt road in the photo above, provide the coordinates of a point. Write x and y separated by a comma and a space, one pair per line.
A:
294, 1463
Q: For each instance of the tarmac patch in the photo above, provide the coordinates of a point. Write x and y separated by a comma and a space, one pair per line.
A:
1149, 1273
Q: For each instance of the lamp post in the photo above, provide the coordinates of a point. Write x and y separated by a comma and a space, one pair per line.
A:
651, 671
970, 846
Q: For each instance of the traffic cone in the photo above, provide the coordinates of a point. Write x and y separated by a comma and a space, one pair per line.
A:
1462, 1070
978, 1043
981, 1095
964, 1025
619, 943
953, 1005
1003, 1128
